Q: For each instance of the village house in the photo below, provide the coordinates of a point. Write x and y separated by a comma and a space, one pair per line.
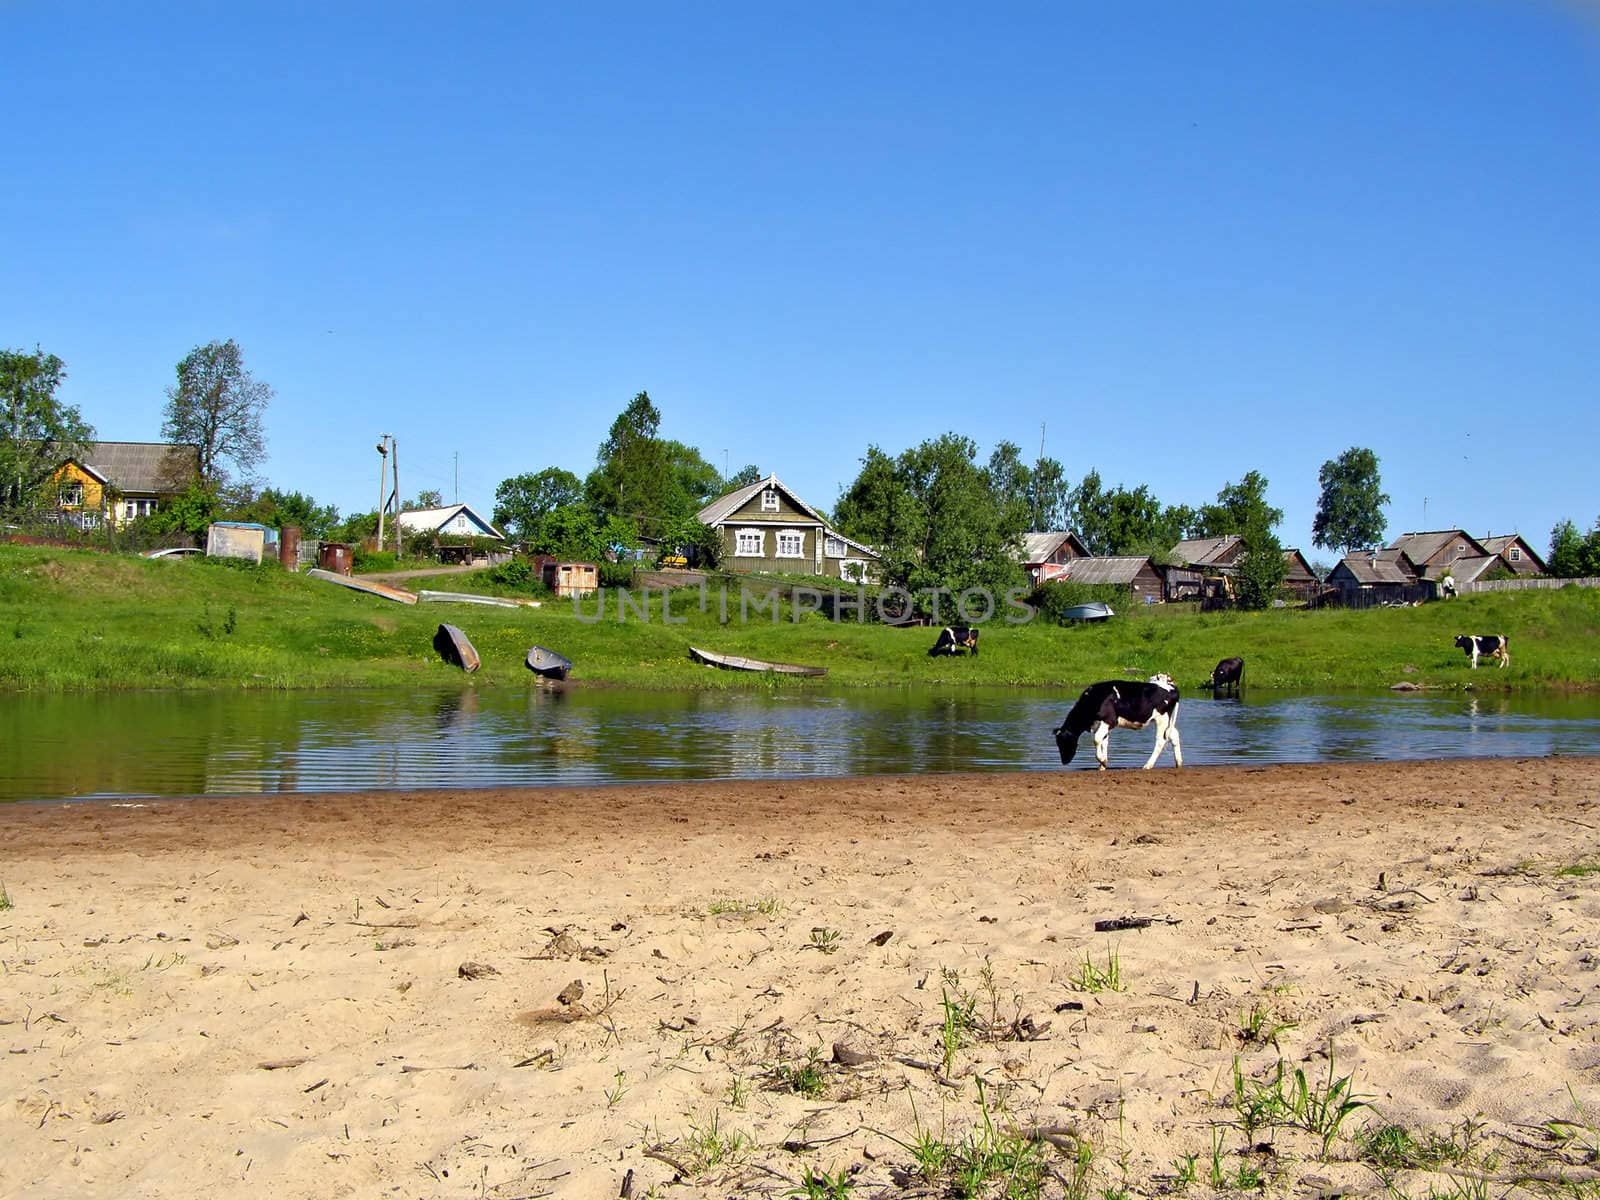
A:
1136, 572
451, 520
1207, 553
1436, 553
1515, 554
766, 527
117, 482
1387, 574
1045, 554
1298, 577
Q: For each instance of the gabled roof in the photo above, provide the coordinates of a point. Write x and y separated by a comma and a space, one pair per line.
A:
720, 509
1467, 569
1201, 552
1499, 545
1390, 565
851, 542
1298, 568
1420, 547
430, 520
1039, 545
1115, 568
142, 466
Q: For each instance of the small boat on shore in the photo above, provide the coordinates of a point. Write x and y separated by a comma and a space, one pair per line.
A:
547, 664
1095, 611
428, 597
372, 588
734, 662
455, 649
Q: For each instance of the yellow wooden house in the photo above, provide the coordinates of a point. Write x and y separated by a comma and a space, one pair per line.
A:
117, 482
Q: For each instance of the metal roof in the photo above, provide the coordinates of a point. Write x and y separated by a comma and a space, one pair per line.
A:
431, 520
724, 506
157, 467
1116, 568
1039, 545
1201, 552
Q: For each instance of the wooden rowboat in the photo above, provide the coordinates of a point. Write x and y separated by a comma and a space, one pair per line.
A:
733, 662
1095, 611
547, 664
428, 597
455, 649
400, 595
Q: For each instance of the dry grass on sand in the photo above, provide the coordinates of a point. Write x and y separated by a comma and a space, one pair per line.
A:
1358, 977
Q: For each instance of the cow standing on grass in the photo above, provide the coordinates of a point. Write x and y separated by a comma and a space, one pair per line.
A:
1123, 704
1486, 645
955, 639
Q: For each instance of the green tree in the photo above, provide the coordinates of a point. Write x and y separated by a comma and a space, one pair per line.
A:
1049, 495
37, 431
695, 482
282, 509
1242, 508
1089, 513
634, 475
191, 512
1574, 555
217, 405
522, 502
427, 498
569, 532
1010, 484
743, 477
933, 515
1350, 509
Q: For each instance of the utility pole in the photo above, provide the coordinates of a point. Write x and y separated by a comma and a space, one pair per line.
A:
394, 444
457, 456
1041, 441
383, 482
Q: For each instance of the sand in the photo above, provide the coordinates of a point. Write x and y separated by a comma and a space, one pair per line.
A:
274, 996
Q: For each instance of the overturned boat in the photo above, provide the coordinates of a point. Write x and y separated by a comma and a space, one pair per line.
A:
547, 664
455, 649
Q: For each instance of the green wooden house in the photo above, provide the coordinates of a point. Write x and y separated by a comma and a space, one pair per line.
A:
766, 527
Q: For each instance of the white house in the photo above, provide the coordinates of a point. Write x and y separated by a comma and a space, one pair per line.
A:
454, 520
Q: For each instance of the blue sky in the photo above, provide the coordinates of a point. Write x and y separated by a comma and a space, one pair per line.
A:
1191, 240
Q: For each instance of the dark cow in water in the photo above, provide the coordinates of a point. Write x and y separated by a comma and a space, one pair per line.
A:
1229, 673
955, 639
1123, 704
1487, 645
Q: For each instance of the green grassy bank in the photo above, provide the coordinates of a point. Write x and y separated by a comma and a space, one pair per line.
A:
82, 620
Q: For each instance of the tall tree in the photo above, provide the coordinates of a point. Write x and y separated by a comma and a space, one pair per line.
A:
217, 405
1350, 509
522, 502
1009, 483
743, 477
633, 476
1089, 514
1049, 495
37, 431
1572, 554
1242, 508
695, 482
933, 515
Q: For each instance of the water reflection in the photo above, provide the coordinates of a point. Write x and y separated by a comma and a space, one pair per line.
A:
195, 744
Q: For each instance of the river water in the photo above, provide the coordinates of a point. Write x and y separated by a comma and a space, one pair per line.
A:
140, 744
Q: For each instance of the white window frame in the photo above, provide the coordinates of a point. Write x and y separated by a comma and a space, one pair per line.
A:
833, 547
1515, 554
799, 537
769, 500
739, 547
853, 569
72, 495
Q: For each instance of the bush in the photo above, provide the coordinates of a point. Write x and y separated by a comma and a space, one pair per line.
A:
618, 574
1051, 600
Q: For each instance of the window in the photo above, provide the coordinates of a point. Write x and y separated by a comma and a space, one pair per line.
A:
1461, 550
791, 543
833, 547
71, 495
749, 543
769, 500
1516, 554
853, 569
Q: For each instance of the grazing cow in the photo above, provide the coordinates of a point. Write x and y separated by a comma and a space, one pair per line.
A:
1123, 704
1491, 645
1229, 673
955, 639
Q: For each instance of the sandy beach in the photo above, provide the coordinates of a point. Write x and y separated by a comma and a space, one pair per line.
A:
647, 990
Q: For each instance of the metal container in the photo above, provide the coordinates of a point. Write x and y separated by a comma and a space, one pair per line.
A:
289, 547
336, 557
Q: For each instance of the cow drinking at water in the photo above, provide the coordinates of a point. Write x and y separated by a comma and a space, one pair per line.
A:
1229, 673
1123, 704
954, 639
1487, 645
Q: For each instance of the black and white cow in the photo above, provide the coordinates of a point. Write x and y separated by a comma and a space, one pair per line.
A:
1489, 645
1229, 673
955, 639
1123, 704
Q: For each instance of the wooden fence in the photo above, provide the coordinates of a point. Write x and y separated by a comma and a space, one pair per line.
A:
1518, 585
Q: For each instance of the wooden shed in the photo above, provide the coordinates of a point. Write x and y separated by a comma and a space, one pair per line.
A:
571, 578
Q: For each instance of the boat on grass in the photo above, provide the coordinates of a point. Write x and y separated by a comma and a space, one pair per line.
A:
372, 588
734, 662
1096, 611
455, 649
547, 664
428, 597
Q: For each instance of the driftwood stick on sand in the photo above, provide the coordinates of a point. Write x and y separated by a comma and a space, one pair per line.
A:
1062, 1137
1115, 924
660, 1155
281, 1064
409, 1068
